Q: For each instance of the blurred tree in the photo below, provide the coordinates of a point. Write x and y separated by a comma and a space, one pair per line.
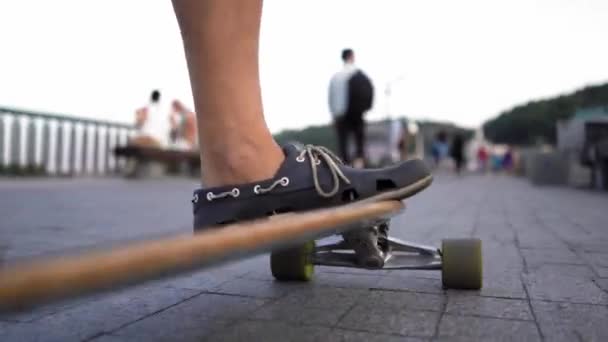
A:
536, 121
324, 135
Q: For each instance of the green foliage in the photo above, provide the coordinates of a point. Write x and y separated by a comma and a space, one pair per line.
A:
535, 121
18, 170
323, 135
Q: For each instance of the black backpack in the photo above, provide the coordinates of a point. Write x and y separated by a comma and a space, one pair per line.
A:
360, 93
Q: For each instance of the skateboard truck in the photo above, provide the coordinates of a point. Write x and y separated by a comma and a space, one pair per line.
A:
398, 255
459, 260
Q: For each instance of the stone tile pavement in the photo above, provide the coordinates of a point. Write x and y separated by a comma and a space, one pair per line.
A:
545, 259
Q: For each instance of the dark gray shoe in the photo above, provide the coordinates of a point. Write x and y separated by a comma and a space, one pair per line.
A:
310, 177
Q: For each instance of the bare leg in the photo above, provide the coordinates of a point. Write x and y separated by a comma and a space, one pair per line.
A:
221, 39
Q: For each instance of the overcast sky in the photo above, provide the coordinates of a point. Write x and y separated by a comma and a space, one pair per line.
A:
462, 61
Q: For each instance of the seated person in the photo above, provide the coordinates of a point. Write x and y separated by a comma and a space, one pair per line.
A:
183, 127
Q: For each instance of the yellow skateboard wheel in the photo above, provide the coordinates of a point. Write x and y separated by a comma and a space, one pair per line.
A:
461, 264
293, 263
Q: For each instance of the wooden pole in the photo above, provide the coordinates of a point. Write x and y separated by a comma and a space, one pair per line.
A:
24, 285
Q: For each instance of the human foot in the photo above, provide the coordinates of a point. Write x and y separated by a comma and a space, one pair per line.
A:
309, 178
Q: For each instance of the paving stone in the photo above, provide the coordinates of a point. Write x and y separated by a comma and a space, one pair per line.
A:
566, 270
6, 326
539, 239
464, 304
253, 288
280, 311
572, 322
111, 338
415, 323
203, 280
262, 275
564, 288
399, 300
548, 227
351, 270
591, 247
103, 315
463, 328
602, 272
405, 283
508, 285
346, 280
429, 274
501, 236
341, 335
270, 331
598, 259
538, 256
323, 298
46, 310
191, 330
602, 283
192, 319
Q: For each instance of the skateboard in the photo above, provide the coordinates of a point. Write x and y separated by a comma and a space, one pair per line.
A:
289, 237
458, 260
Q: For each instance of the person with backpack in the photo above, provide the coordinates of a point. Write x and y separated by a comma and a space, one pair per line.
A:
351, 94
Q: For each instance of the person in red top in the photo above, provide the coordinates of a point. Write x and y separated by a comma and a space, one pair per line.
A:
183, 126
482, 158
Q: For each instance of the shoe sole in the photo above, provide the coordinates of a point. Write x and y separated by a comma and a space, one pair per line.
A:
401, 193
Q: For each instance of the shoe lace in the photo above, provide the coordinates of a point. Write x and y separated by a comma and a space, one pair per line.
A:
315, 155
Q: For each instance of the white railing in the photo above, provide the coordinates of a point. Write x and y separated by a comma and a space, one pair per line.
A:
59, 145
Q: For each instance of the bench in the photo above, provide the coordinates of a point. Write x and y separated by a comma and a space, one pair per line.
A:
151, 162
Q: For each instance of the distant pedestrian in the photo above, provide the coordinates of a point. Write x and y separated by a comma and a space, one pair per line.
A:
440, 148
482, 158
507, 160
183, 126
351, 95
457, 152
398, 140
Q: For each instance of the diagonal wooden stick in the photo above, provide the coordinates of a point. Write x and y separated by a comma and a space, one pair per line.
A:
25, 285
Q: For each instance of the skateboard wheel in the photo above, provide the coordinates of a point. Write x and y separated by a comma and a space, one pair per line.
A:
461, 264
294, 263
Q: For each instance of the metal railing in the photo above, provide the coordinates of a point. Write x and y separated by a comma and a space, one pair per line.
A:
59, 145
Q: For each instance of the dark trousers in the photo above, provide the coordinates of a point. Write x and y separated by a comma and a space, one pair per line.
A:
345, 126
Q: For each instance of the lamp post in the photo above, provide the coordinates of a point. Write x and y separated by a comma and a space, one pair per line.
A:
388, 90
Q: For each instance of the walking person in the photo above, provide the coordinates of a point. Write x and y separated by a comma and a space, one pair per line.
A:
351, 95
457, 152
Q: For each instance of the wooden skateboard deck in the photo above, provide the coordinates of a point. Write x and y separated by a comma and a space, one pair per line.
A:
27, 284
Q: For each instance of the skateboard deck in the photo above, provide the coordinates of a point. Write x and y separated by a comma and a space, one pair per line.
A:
23, 285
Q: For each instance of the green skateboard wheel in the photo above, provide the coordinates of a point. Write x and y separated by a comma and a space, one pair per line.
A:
294, 263
461, 264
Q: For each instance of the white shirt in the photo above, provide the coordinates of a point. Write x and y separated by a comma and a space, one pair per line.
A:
396, 132
157, 123
338, 90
